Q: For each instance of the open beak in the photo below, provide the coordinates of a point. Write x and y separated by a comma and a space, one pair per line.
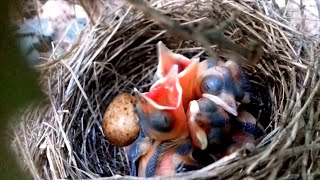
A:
198, 134
227, 102
188, 83
160, 110
187, 71
167, 59
166, 93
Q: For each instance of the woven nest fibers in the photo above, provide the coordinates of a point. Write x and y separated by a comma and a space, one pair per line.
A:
62, 137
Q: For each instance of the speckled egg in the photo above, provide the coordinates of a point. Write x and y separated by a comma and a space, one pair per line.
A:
120, 122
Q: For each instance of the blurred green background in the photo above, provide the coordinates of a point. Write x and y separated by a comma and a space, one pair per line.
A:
18, 87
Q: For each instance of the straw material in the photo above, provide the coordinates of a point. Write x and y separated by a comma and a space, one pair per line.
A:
62, 137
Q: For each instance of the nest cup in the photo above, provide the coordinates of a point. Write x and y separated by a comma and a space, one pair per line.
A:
62, 137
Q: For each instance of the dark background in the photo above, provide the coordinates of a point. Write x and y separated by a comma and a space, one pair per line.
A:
18, 87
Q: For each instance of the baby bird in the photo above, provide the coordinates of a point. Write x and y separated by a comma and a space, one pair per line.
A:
163, 146
187, 70
160, 111
208, 123
216, 131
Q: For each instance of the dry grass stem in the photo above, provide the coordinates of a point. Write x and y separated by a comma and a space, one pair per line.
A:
62, 136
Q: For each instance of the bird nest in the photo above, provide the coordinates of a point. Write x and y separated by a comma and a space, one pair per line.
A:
62, 136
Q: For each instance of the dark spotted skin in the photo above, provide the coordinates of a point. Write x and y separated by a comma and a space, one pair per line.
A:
212, 84
183, 149
241, 86
220, 125
216, 136
244, 82
153, 162
213, 114
223, 81
155, 121
134, 153
213, 119
216, 123
228, 78
217, 82
250, 128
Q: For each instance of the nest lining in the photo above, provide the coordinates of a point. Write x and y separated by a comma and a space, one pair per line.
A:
62, 137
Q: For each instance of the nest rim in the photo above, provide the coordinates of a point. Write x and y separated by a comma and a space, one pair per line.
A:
103, 53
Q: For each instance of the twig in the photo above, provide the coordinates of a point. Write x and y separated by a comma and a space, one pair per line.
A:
202, 36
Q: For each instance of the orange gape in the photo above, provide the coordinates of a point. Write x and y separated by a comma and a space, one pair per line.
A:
166, 92
191, 101
217, 80
187, 71
187, 80
162, 118
160, 111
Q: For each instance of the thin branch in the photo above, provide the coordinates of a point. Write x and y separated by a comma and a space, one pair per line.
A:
215, 36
